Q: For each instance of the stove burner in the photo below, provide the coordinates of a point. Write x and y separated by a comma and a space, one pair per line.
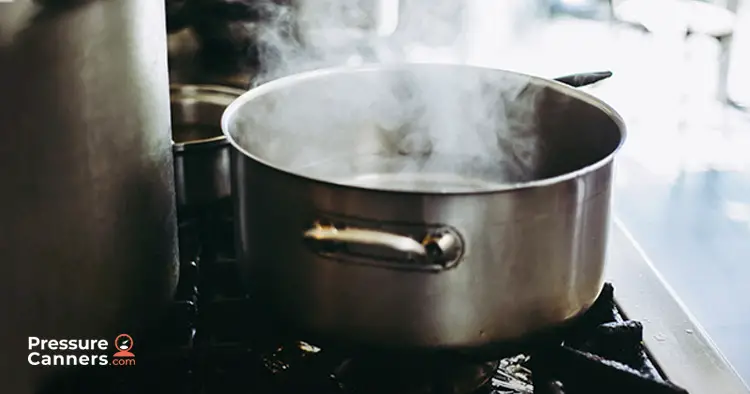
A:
211, 343
514, 375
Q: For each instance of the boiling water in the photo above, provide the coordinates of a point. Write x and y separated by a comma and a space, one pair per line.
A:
431, 174
428, 183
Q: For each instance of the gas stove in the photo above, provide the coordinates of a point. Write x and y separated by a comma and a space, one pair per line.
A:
212, 342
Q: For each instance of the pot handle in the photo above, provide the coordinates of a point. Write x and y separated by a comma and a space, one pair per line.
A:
584, 79
440, 249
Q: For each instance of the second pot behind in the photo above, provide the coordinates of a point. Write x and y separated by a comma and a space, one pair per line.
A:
200, 149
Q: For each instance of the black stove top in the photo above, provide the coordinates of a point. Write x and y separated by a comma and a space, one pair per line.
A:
210, 344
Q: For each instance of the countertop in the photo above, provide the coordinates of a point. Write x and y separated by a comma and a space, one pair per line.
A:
676, 341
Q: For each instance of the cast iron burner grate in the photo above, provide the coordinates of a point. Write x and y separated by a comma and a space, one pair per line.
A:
209, 344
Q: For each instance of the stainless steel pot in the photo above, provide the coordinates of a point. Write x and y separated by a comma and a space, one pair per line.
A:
88, 240
201, 152
422, 206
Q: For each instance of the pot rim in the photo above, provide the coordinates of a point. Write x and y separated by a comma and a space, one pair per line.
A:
290, 80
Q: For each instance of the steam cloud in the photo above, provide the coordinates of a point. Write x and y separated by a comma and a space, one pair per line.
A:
433, 128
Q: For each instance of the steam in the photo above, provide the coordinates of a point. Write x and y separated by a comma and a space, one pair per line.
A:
320, 33
389, 125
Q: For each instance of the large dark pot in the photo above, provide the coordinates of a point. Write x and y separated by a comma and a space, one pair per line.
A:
422, 206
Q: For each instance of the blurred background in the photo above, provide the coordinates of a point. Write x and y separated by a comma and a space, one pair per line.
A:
682, 74
681, 81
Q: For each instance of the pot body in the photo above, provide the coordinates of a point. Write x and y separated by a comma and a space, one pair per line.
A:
88, 238
524, 257
201, 152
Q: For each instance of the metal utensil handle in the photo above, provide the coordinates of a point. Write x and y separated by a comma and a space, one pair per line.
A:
584, 79
367, 237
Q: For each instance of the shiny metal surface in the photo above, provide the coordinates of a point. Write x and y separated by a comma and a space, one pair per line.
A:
369, 237
88, 239
534, 250
439, 249
201, 152
676, 341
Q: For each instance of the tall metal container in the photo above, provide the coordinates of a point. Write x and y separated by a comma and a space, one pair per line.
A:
88, 243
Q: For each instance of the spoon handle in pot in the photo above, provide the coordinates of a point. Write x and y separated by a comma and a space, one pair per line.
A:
584, 79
